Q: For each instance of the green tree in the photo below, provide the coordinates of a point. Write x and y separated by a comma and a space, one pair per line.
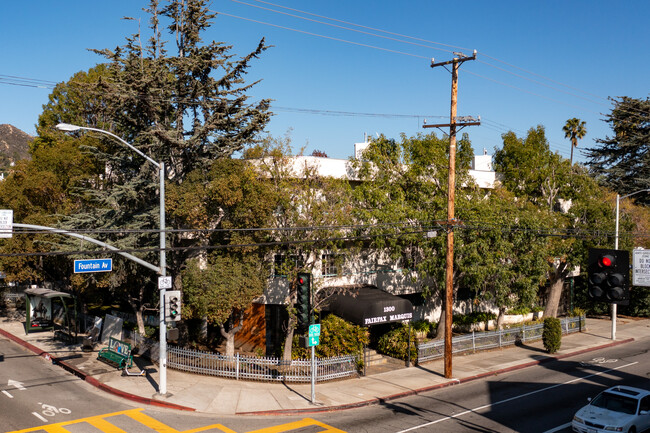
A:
310, 219
620, 162
574, 129
38, 191
221, 209
503, 254
222, 291
570, 202
184, 109
402, 197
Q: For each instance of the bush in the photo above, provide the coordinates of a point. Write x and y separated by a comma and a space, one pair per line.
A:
395, 343
337, 338
578, 312
421, 326
519, 310
552, 334
471, 318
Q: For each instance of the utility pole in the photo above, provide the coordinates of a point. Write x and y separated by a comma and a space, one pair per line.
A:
453, 125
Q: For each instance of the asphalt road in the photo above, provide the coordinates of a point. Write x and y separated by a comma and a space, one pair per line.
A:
536, 399
34, 394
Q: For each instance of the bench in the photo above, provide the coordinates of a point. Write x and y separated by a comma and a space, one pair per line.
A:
118, 354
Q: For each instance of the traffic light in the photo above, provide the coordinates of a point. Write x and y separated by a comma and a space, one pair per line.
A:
609, 272
303, 300
173, 305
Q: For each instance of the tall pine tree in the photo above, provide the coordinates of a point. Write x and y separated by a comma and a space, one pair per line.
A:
185, 109
622, 161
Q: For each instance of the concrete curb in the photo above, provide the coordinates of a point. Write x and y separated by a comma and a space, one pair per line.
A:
451, 382
91, 380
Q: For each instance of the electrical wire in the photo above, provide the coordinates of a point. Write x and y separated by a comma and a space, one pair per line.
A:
457, 225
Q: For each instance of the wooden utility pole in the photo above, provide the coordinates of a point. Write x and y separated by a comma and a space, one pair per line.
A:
453, 124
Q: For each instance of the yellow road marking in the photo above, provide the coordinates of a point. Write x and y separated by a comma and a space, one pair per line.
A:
306, 422
100, 423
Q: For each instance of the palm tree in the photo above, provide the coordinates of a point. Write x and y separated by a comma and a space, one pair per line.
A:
574, 129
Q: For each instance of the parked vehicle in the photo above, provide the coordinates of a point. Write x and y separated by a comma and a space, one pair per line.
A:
617, 409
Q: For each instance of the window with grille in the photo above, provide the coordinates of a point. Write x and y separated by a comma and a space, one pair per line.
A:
284, 263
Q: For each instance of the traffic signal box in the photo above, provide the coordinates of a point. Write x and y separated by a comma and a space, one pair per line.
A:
303, 300
173, 306
609, 276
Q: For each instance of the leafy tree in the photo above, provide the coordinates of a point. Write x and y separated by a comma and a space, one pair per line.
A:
622, 161
503, 254
219, 208
222, 291
310, 218
402, 196
574, 129
38, 191
570, 202
185, 110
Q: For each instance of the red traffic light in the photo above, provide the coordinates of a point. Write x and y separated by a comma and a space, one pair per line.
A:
607, 261
301, 281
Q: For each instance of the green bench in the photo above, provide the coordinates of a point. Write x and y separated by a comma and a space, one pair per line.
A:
118, 354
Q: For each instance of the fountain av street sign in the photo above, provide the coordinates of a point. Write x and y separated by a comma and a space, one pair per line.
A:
94, 265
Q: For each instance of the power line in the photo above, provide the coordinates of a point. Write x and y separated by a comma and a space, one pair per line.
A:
459, 225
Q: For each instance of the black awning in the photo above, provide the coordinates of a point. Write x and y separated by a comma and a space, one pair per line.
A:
366, 306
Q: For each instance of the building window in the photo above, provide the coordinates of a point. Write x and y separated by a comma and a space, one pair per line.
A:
283, 264
411, 258
331, 265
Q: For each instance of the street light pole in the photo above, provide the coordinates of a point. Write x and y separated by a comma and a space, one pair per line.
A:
163, 260
618, 200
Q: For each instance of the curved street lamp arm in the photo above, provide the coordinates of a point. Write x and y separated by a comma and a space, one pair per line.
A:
69, 127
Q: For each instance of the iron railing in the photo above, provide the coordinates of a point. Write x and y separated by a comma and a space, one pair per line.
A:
260, 368
493, 339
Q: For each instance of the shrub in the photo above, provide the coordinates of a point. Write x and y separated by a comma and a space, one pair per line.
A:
395, 343
421, 326
471, 318
552, 334
578, 312
337, 338
519, 310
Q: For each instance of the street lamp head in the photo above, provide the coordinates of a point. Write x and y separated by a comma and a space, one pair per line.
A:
67, 127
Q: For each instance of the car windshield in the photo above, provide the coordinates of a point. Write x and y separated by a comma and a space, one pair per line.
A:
616, 403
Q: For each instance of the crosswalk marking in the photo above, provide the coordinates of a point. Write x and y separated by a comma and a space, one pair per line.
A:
101, 423
306, 422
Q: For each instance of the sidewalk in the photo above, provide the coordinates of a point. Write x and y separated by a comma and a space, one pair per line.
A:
230, 397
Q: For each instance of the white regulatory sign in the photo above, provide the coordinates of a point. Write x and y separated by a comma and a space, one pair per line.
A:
164, 282
641, 268
6, 223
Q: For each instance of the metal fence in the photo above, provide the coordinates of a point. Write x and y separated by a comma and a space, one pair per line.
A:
260, 368
494, 339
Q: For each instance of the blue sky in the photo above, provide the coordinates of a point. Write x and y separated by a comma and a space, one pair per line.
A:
539, 62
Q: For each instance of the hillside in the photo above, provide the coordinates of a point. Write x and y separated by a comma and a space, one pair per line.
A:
14, 146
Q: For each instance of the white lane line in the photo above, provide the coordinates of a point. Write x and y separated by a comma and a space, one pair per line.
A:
558, 428
476, 409
7, 394
38, 415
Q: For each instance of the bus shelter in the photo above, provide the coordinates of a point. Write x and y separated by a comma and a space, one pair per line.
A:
46, 308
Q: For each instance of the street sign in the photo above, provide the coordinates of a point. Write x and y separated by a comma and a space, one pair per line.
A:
6, 223
93, 265
313, 341
314, 331
164, 282
641, 267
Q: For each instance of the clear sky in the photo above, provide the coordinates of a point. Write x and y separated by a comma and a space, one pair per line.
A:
340, 69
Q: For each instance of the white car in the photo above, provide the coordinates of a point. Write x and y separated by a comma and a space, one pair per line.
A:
617, 409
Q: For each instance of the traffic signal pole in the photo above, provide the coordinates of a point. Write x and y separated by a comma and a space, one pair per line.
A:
451, 189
